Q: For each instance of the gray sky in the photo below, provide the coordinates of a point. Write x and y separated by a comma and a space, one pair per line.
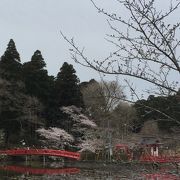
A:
36, 24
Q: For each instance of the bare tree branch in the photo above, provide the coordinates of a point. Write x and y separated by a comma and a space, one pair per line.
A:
148, 50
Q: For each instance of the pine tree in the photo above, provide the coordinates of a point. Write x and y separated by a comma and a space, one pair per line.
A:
37, 61
67, 87
19, 113
11, 52
10, 66
36, 78
39, 84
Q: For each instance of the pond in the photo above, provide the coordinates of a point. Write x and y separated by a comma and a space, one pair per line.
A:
85, 171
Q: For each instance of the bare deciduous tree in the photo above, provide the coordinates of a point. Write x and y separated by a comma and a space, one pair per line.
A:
101, 98
123, 116
147, 50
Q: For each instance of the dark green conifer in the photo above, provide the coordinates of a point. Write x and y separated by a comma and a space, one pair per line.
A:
10, 66
37, 60
11, 52
36, 77
67, 87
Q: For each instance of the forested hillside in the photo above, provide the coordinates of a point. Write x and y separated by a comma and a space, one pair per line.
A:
35, 105
30, 98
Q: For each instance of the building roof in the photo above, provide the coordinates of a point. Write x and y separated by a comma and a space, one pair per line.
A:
149, 141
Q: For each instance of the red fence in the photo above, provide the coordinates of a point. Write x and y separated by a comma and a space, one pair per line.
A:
46, 152
160, 159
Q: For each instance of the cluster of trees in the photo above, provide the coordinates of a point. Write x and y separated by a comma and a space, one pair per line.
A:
103, 102
29, 97
163, 109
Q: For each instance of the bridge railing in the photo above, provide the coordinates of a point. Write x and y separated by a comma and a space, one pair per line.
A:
47, 152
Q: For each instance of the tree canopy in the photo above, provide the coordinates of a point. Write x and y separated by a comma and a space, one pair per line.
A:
10, 66
28, 98
36, 78
164, 110
67, 87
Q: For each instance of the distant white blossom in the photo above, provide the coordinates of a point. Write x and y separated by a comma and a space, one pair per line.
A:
78, 117
91, 145
83, 125
83, 132
85, 121
55, 134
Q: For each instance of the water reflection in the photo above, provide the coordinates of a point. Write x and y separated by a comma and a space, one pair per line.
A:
39, 172
157, 176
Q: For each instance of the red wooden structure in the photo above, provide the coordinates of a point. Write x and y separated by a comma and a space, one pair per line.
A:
146, 156
40, 171
41, 152
160, 159
122, 149
151, 146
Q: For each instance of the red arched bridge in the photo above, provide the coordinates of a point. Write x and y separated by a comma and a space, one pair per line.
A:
41, 152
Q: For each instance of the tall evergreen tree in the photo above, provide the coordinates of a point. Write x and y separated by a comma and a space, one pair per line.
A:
10, 66
67, 87
18, 112
36, 78
37, 61
39, 84
11, 52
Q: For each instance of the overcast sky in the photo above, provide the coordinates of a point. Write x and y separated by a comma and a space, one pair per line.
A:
36, 24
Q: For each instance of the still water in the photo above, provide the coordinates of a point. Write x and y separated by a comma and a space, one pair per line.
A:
58, 171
